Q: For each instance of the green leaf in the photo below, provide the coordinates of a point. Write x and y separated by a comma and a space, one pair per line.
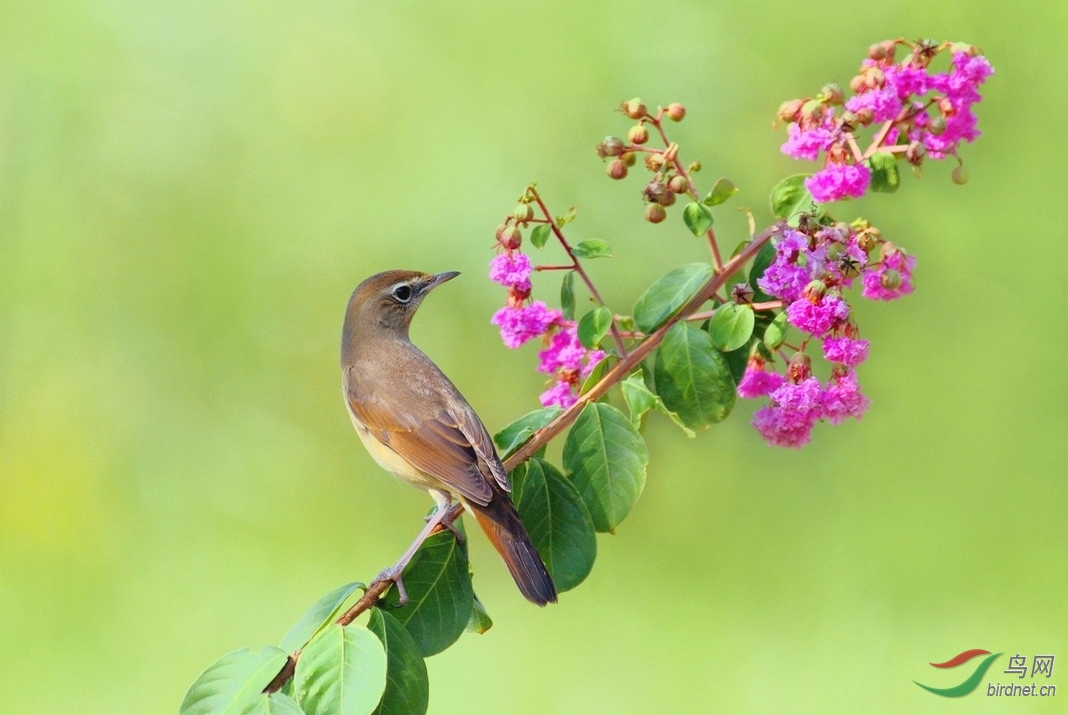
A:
731, 326
693, 378
698, 218
594, 326
592, 248
567, 295
884, 174
325, 610
567, 218
440, 595
790, 197
480, 620
233, 684
557, 520
276, 704
670, 292
640, 400
514, 435
775, 333
342, 671
722, 190
407, 686
539, 235
737, 361
606, 457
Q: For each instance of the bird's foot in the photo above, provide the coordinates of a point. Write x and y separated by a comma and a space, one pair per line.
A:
394, 574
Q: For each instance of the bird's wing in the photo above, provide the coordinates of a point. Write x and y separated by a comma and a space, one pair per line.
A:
436, 443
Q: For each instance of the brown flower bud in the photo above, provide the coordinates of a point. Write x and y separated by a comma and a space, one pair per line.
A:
679, 184
611, 146
832, 94
877, 51
633, 108
638, 134
667, 198
799, 369
655, 213
676, 112
915, 152
617, 169
654, 162
654, 190
511, 238
790, 110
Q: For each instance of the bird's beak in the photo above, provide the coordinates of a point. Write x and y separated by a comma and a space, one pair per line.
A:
439, 279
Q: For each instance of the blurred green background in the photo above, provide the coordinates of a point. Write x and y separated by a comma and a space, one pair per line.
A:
190, 191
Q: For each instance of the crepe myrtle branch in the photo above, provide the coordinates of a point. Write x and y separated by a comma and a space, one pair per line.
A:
384, 581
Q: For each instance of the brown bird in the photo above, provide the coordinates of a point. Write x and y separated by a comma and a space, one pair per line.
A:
418, 426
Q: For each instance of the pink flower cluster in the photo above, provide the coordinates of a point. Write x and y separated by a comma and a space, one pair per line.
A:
798, 400
521, 320
921, 113
813, 265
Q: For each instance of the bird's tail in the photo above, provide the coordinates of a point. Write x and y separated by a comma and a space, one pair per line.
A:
506, 532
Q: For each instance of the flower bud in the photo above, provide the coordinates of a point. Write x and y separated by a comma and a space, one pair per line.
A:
799, 369
654, 162
655, 213
523, 213
937, 126
814, 291
790, 110
617, 169
679, 184
628, 158
889, 251
654, 190
865, 116
695, 166
638, 134
611, 146
676, 112
832, 94
742, 293
960, 174
915, 152
511, 238
633, 108
858, 85
667, 198
877, 51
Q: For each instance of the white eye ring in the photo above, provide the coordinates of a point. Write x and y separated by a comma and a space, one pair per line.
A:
402, 292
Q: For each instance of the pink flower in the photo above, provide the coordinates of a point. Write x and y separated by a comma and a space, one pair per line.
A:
522, 323
788, 421
843, 399
838, 181
756, 382
564, 351
846, 351
787, 276
512, 270
890, 279
818, 318
560, 395
807, 143
885, 104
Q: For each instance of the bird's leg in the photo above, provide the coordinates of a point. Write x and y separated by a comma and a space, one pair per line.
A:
446, 518
394, 572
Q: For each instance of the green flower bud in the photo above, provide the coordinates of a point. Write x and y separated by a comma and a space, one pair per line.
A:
638, 134
676, 112
634, 108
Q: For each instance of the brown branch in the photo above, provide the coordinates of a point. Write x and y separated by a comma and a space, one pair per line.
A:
619, 371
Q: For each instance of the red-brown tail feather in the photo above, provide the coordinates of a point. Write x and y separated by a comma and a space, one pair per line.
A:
508, 535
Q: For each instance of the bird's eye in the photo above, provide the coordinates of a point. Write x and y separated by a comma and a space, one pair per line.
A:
403, 293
